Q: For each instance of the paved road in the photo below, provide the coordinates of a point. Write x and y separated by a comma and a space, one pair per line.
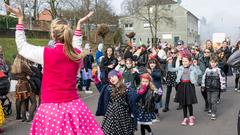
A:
170, 121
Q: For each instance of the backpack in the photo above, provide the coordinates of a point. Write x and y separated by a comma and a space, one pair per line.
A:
212, 81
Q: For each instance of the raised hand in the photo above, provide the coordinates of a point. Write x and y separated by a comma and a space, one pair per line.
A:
15, 11
85, 18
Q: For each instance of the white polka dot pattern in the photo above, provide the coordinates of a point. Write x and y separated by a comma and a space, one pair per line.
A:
71, 118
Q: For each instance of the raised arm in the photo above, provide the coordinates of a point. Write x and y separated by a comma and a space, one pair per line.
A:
77, 37
28, 51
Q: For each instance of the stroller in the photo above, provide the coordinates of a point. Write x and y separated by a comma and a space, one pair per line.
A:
4, 89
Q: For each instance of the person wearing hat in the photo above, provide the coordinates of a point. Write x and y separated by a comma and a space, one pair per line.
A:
117, 120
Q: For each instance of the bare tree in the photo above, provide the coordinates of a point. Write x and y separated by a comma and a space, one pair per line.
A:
150, 11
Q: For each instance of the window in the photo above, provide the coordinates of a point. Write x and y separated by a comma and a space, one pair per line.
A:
146, 26
128, 26
151, 10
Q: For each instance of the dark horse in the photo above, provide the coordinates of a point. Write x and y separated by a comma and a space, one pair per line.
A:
234, 60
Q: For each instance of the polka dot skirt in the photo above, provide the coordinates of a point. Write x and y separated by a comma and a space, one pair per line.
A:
70, 118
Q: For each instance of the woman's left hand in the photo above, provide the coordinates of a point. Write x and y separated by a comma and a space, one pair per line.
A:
85, 18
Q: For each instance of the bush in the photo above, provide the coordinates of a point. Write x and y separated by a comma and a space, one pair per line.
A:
9, 47
4, 20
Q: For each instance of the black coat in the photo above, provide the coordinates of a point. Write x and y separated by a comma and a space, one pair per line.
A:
88, 60
104, 67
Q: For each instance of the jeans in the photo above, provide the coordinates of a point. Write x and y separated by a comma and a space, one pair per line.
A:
212, 100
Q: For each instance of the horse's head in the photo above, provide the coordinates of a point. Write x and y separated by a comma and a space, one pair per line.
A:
234, 59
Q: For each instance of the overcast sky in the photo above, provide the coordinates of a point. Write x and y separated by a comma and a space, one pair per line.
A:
223, 15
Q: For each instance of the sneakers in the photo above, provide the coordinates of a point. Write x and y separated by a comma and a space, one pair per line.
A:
209, 112
236, 89
185, 122
213, 116
218, 101
191, 121
88, 91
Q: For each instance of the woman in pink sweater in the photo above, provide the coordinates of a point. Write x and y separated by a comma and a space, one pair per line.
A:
61, 110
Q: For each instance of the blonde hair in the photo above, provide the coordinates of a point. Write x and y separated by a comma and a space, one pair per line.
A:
16, 67
62, 32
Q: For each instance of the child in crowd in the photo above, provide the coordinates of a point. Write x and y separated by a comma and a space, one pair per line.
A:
121, 64
146, 103
131, 75
213, 82
186, 95
117, 120
155, 72
87, 69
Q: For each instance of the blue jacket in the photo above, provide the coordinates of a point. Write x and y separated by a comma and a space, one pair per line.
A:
194, 73
156, 75
104, 99
98, 55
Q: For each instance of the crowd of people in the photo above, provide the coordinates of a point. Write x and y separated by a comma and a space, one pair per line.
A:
130, 81
146, 69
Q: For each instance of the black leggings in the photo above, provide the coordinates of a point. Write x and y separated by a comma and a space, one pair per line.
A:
190, 109
237, 83
21, 107
143, 127
169, 91
33, 106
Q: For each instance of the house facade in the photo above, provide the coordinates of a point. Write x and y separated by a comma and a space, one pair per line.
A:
181, 24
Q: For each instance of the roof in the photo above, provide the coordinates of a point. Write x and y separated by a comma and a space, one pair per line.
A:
189, 12
162, 2
174, 3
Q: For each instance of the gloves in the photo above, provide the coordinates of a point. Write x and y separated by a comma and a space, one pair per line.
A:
142, 89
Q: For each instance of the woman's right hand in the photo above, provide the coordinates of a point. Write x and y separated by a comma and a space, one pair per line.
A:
15, 11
